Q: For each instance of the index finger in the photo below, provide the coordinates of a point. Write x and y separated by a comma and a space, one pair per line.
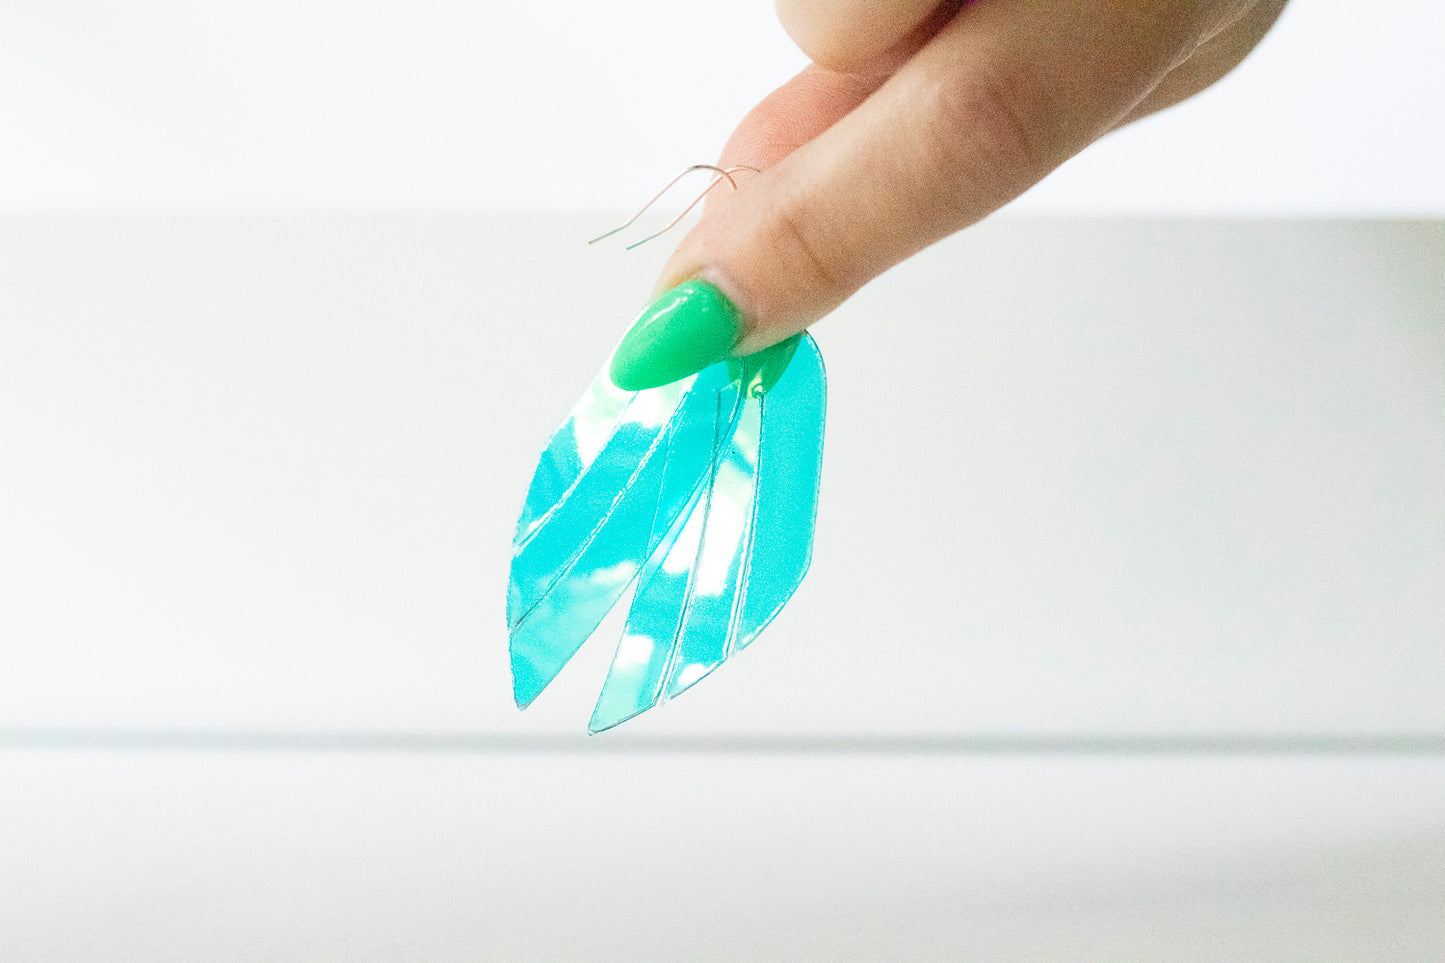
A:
1003, 94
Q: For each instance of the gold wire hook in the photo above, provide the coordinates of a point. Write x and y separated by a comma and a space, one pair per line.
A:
722, 174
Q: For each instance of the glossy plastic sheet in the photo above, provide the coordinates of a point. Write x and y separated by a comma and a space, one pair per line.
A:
703, 491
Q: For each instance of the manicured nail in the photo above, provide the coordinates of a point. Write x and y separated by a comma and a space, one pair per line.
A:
683, 331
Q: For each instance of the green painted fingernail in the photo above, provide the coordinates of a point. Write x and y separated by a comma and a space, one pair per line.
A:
683, 331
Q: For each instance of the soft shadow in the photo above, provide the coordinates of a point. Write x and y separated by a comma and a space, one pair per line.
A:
359, 740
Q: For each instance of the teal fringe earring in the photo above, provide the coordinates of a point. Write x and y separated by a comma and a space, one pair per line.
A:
703, 492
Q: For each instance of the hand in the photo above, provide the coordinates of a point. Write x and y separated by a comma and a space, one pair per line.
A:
916, 120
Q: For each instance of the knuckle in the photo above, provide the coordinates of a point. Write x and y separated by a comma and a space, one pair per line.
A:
988, 132
803, 248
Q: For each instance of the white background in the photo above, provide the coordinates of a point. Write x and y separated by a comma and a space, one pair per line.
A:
1123, 636
447, 105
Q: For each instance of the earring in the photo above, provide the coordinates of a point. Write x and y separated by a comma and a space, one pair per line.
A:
703, 492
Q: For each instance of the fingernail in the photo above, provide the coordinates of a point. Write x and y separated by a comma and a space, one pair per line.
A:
683, 331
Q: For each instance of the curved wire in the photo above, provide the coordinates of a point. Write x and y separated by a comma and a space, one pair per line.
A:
722, 174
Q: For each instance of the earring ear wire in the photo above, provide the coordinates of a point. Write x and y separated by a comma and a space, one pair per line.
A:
720, 174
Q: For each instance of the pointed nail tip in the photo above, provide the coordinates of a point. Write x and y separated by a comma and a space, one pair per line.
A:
685, 329
624, 381
624, 375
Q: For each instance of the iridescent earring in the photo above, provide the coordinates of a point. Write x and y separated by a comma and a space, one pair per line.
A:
703, 492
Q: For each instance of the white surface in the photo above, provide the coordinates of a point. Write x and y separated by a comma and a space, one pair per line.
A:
1106, 480
580, 856
1080, 477
449, 105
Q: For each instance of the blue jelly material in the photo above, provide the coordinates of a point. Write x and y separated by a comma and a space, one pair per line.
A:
704, 492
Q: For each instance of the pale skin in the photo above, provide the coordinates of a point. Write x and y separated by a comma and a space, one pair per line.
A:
917, 119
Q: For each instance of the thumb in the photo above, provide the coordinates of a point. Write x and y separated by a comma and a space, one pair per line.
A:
1002, 95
